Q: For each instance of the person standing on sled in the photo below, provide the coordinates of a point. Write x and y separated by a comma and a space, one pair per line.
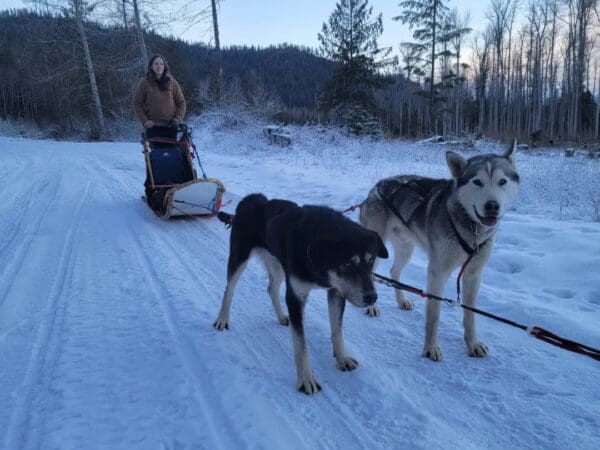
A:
159, 101
159, 104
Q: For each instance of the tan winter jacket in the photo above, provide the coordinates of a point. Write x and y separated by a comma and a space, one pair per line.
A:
159, 106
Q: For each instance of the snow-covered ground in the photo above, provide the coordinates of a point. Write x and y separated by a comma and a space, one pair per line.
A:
106, 311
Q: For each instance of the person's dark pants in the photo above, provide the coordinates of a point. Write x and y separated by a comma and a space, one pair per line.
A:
161, 132
157, 132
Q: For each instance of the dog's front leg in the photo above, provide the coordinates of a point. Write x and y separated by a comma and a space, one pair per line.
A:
471, 284
337, 304
436, 280
403, 250
306, 381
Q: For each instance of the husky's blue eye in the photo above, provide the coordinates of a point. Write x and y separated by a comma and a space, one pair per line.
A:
478, 183
502, 182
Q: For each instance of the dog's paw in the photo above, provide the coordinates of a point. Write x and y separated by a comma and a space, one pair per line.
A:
308, 385
477, 349
221, 324
433, 352
372, 311
405, 304
284, 320
346, 364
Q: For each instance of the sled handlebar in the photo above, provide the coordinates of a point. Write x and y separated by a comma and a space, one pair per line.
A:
181, 128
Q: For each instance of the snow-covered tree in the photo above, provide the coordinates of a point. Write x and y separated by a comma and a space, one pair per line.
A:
350, 39
426, 17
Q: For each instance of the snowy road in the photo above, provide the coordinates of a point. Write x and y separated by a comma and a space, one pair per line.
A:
106, 312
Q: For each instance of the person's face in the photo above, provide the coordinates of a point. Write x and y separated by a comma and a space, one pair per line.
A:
158, 67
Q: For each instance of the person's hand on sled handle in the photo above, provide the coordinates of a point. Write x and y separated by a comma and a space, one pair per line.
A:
148, 124
174, 123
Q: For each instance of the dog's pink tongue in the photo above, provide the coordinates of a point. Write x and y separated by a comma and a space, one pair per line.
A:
490, 221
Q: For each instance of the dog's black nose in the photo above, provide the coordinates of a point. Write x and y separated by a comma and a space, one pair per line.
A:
491, 208
370, 298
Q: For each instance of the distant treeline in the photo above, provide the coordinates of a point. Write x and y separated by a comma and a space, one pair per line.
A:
45, 80
536, 79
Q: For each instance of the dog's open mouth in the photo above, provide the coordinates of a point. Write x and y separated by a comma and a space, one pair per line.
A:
488, 221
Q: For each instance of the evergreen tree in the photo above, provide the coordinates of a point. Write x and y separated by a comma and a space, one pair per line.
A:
426, 18
350, 39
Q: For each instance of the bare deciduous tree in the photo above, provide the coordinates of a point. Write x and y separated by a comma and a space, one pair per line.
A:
79, 11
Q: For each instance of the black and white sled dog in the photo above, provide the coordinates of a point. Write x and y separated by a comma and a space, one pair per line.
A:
449, 220
308, 247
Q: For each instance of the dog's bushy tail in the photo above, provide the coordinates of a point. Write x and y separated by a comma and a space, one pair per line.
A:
226, 218
249, 213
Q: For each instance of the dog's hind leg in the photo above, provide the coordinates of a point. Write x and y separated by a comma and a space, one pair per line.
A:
235, 266
336, 305
276, 277
296, 293
403, 250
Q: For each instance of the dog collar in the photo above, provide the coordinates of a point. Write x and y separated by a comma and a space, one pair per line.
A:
465, 246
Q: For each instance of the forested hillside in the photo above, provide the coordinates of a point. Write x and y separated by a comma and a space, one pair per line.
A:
45, 80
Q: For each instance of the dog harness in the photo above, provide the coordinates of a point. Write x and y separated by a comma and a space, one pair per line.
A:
414, 193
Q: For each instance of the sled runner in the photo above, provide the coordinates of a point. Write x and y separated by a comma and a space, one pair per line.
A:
172, 186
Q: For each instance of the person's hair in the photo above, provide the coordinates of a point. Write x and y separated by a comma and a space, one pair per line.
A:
163, 81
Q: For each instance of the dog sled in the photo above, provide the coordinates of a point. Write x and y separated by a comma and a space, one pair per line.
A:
173, 187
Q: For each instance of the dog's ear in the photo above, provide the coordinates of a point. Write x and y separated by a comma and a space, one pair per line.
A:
381, 250
456, 163
511, 152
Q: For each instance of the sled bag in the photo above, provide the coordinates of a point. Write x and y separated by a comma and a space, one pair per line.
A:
169, 166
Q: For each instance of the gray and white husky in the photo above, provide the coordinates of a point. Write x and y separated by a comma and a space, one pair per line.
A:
449, 220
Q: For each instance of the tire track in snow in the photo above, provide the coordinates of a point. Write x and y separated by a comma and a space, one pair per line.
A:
193, 364
185, 349
47, 347
10, 173
15, 255
17, 211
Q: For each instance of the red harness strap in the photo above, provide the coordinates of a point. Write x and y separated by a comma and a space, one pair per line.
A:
351, 208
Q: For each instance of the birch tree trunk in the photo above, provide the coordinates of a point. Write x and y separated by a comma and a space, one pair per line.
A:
552, 71
432, 125
78, 16
219, 74
140, 34
597, 95
124, 11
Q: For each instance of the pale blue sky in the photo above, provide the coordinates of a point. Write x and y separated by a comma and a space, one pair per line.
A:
264, 22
